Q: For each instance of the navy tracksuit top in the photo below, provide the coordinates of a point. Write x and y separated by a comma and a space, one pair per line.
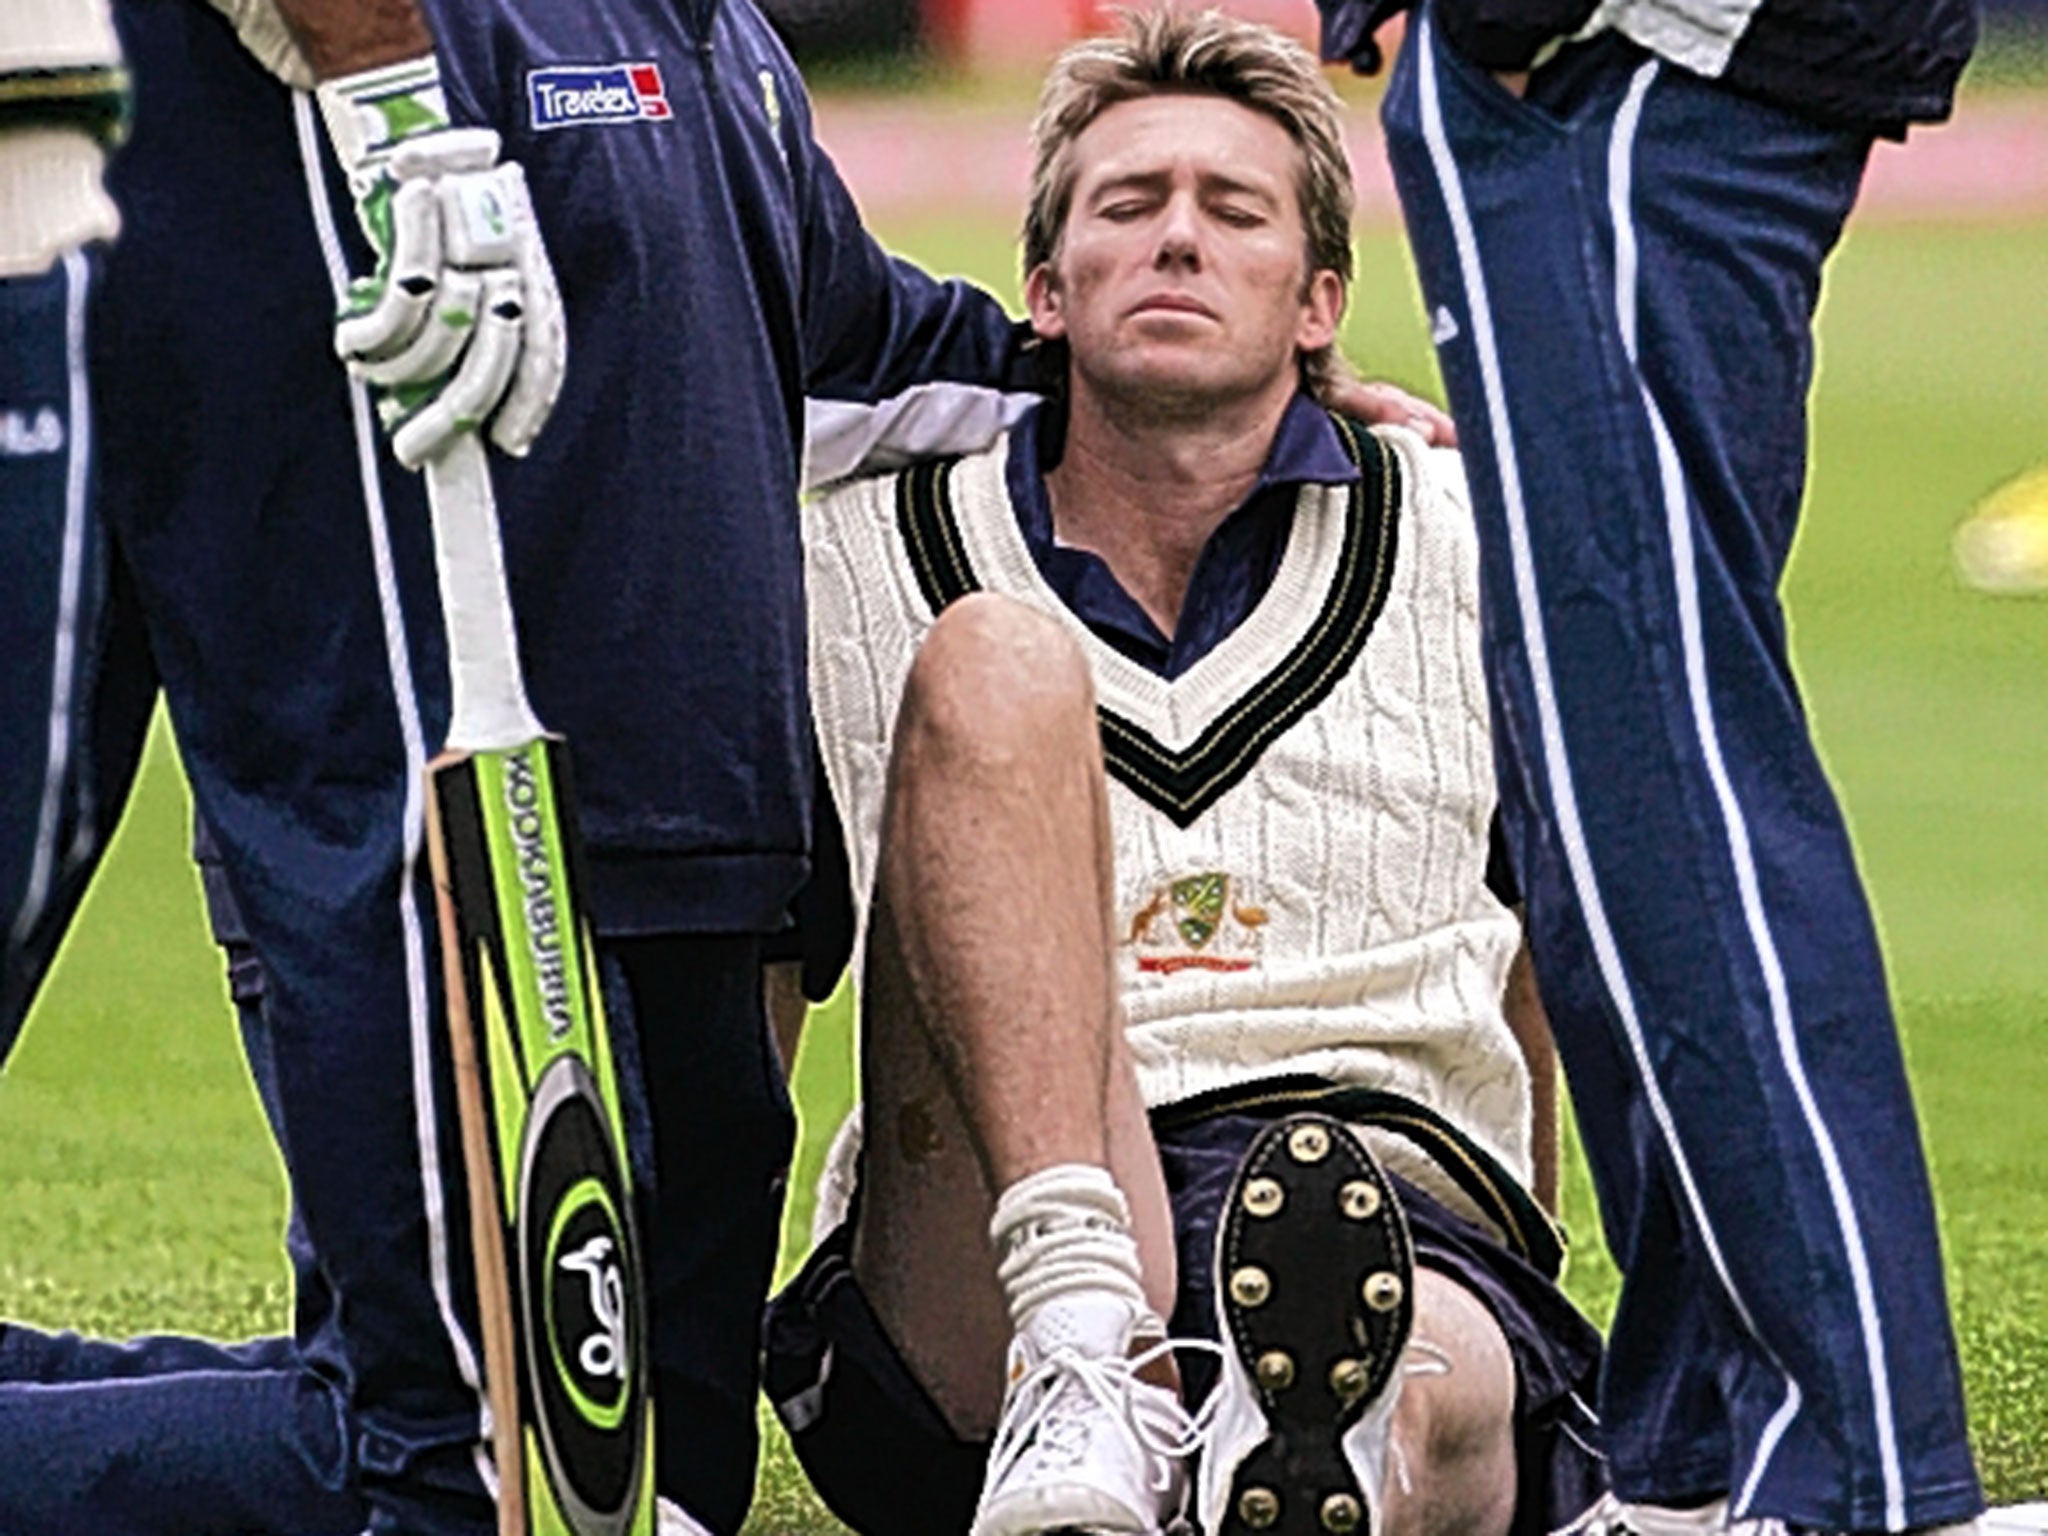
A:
715, 273
1874, 64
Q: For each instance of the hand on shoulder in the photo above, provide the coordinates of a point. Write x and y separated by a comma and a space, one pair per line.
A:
1380, 404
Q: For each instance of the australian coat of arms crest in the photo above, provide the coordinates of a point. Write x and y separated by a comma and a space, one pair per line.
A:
1203, 921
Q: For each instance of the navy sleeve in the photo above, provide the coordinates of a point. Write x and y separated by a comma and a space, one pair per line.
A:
874, 324
1349, 27
1494, 34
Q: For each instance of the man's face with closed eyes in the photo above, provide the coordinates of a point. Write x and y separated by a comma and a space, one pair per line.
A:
1181, 280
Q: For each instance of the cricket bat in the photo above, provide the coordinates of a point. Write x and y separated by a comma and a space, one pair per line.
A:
558, 1272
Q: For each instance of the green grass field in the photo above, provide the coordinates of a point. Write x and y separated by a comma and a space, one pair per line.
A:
138, 1190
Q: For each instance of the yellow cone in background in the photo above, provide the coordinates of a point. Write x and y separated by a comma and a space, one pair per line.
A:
2003, 546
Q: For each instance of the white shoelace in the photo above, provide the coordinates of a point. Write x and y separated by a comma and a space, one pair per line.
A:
1434, 1360
1154, 1423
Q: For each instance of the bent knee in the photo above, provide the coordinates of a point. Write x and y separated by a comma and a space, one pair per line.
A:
1456, 1421
993, 666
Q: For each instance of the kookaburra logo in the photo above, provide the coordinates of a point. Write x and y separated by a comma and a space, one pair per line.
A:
603, 1353
581, 1312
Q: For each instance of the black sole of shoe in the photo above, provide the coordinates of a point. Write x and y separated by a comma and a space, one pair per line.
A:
1316, 1290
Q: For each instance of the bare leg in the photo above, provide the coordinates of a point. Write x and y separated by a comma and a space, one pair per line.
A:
1453, 1471
992, 1041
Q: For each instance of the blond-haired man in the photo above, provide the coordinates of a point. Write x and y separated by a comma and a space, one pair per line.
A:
1157, 735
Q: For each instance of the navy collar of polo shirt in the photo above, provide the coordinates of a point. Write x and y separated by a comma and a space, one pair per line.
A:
1236, 564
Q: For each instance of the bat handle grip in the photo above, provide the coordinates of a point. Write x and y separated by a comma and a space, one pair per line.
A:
488, 704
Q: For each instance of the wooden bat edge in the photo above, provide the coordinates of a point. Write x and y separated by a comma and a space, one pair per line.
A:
487, 1232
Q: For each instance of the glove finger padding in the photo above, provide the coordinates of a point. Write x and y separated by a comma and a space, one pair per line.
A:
544, 349
473, 393
440, 340
464, 305
387, 311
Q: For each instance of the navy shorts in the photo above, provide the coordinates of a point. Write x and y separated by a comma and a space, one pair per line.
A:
885, 1461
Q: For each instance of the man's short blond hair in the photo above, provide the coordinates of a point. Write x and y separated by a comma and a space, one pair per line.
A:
1166, 52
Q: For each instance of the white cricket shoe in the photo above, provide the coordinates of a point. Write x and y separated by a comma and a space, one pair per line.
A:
1315, 1298
1085, 1445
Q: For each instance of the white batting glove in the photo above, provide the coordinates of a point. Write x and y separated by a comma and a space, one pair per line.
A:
461, 323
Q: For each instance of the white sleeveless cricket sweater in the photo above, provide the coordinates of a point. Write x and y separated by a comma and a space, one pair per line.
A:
1301, 819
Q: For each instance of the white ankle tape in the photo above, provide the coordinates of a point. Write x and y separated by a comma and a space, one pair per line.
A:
1064, 1231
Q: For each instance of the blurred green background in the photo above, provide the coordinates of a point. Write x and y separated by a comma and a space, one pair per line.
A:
138, 1190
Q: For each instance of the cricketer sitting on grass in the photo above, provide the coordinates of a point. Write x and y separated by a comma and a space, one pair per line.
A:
1159, 739
269, 564
1620, 215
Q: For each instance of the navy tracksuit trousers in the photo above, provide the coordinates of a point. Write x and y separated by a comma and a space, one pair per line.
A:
1621, 270
71, 729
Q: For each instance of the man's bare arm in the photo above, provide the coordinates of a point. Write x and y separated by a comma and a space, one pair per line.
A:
1531, 1028
339, 37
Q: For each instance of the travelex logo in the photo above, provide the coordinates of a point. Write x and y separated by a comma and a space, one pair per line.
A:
572, 95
